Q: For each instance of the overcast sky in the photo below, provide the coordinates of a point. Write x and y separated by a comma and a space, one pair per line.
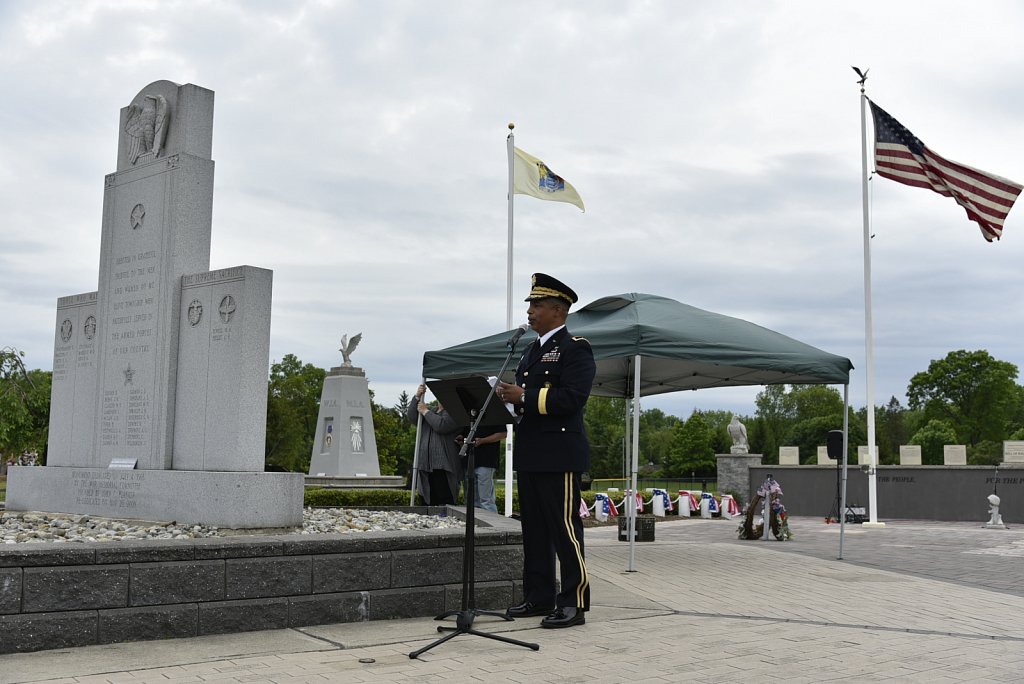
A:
360, 155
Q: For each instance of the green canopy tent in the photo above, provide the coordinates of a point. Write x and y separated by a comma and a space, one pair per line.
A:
682, 347
646, 344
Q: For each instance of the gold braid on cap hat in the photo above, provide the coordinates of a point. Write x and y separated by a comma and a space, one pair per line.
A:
550, 292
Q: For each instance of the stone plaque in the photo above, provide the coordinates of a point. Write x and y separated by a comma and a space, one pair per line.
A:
1013, 451
910, 454
862, 455
223, 355
823, 458
140, 272
789, 455
73, 389
954, 454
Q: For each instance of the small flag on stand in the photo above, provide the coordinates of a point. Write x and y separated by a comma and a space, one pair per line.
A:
584, 509
712, 502
688, 502
663, 496
730, 509
902, 157
533, 177
604, 506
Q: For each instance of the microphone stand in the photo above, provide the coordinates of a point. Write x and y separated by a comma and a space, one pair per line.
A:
468, 612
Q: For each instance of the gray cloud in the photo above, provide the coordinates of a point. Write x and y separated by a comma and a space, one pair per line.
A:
360, 152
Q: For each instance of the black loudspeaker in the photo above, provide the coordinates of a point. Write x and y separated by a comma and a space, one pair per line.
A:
834, 444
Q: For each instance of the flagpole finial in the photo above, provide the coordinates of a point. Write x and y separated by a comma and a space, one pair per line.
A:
863, 76
511, 125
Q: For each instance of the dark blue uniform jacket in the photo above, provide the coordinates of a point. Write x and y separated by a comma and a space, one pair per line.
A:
557, 378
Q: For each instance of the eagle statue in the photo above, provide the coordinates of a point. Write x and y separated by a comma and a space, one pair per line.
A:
347, 347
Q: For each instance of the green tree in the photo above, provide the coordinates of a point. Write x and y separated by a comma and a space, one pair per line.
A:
985, 452
975, 394
891, 430
605, 420
931, 438
388, 431
656, 435
24, 406
718, 421
293, 402
396, 437
800, 416
771, 422
693, 448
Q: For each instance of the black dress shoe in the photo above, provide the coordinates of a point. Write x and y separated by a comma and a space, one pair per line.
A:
526, 609
567, 616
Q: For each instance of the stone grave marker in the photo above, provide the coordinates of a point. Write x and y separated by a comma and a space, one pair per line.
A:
1013, 451
789, 455
954, 454
862, 455
910, 454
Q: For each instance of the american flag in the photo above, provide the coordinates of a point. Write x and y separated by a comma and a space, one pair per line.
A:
902, 157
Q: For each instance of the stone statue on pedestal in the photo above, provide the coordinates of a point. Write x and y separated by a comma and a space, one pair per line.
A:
347, 347
738, 432
995, 520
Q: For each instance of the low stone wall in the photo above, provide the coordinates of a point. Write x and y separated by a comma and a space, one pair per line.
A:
904, 492
65, 595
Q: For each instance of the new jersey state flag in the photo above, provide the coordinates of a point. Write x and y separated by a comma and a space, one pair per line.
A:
531, 176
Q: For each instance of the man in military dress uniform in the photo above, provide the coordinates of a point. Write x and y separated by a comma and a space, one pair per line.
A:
553, 382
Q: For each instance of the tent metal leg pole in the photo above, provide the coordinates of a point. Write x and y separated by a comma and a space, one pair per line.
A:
635, 462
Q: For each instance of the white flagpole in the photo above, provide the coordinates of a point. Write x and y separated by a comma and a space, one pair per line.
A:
869, 360
508, 309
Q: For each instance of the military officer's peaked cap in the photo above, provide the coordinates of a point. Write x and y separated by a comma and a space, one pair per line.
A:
544, 286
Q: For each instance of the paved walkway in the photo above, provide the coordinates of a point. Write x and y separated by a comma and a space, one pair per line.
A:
914, 601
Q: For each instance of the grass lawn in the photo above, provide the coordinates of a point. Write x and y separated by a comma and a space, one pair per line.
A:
3, 488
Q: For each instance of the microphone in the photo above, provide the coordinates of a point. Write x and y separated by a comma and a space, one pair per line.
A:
520, 331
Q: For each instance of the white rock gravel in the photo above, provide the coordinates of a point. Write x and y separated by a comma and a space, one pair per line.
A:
18, 528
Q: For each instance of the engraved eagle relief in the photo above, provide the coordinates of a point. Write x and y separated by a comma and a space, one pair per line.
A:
146, 126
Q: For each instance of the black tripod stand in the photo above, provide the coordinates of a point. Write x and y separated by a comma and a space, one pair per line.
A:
838, 504
835, 450
461, 397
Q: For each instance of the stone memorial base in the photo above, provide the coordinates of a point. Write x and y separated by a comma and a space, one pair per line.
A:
234, 500
344, 444
347, 482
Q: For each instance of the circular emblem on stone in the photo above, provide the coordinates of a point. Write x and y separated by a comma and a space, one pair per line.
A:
195, 312
65, 330
90, 327
227, 308
138, 215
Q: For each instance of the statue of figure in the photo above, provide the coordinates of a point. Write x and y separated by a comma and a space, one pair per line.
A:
738, 432
996, 520
347, 347
146, 125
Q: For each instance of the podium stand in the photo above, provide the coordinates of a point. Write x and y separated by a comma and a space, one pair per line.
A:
469, 401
